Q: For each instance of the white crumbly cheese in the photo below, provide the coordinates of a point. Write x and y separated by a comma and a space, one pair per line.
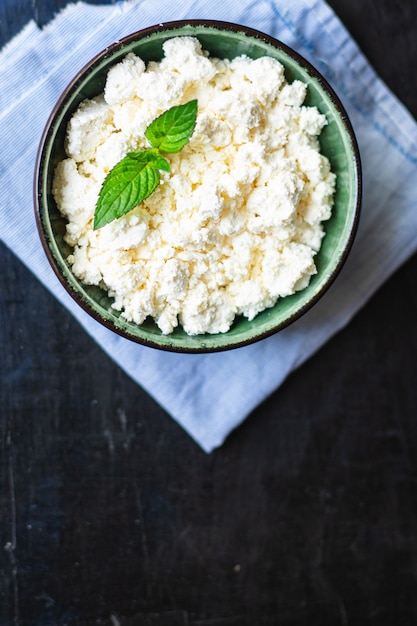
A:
236, 223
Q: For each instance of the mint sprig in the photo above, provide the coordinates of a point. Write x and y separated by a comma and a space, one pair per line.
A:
137, 175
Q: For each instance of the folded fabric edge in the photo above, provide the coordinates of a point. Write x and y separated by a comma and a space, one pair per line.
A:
390, 103
18, 45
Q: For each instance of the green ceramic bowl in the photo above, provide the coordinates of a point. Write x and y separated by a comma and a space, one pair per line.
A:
223, 40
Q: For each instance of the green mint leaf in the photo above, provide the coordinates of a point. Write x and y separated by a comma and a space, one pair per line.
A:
136, 176
153, 153
171, 131
130, 182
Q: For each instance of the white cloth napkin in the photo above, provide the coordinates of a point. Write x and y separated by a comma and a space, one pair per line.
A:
209, 395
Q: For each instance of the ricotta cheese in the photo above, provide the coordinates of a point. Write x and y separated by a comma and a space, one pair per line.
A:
237, 222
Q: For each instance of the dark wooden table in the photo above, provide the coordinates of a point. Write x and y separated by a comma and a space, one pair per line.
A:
111, 515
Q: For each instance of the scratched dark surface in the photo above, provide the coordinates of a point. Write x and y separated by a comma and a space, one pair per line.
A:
111, 515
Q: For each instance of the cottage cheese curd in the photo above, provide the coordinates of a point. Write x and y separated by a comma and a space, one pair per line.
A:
236, 223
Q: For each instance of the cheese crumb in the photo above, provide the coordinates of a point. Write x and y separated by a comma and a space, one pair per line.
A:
238, 221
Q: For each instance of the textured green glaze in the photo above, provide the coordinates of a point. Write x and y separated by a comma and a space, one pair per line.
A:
337, 141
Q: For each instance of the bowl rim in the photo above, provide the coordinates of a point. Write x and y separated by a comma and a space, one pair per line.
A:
224, 27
